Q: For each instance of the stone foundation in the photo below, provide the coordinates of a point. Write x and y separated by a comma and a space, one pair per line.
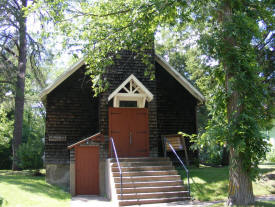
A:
58, 174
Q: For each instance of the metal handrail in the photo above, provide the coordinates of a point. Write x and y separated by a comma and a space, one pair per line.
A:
118, 164
185, 168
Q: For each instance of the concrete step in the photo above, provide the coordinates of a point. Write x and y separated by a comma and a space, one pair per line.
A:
142, 164
152, 195
146, 173
151, 189
147, 178
149, 184
140, 159
143, 168
150, 201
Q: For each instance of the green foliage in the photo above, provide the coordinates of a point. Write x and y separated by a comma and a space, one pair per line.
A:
270, 157
103, 28
6, 128
1, 201
30, 154
33, 129
211, 155
233, 42
5, 154
230, 58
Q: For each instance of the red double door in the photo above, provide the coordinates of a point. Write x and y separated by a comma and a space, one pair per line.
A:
129, 129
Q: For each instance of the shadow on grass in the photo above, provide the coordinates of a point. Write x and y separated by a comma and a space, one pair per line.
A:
257, 204
265, 204
33, 185
211, 183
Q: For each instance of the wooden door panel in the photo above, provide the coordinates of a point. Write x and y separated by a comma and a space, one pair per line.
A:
119, 130
87, 170
140, 131
129, 128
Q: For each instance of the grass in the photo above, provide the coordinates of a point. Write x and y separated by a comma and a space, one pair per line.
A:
21, 189
210, 183
257, 204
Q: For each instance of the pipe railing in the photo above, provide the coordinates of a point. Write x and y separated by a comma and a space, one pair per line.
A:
184, 167
113, 148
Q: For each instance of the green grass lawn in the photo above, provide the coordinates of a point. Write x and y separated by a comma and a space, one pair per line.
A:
257, 204
209, 183
20, 189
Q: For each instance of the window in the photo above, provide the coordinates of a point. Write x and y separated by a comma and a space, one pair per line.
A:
128, 104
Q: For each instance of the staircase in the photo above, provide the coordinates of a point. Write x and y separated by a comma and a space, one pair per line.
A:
147, 180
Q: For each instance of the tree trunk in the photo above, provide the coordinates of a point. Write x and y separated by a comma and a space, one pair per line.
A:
240, 184
20, 87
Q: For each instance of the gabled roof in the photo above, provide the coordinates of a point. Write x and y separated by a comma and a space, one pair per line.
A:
173, 72
141, 87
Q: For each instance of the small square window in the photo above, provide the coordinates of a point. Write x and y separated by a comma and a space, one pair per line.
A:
128, 104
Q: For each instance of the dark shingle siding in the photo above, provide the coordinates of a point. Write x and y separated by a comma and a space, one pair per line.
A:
71, 111
176, 107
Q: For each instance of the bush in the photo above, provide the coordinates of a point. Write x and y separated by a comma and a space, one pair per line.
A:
211, 155
271, 155
30, 154
5, 154
2, 202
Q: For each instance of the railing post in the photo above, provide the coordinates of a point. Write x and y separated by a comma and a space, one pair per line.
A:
184, 167
165, 150
111, 148
188, 184
118, 164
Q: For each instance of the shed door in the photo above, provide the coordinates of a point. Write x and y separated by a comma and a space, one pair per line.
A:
87, 170
129, 128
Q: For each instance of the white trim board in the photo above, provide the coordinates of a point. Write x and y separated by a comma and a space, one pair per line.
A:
149, 95
183, 81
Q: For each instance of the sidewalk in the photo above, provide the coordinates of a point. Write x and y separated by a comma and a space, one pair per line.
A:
96, 201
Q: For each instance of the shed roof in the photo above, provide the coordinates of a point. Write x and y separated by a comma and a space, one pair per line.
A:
96, 137
172, 71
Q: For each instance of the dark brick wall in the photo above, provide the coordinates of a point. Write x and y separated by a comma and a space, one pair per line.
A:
116, 74
176, 107
72, 111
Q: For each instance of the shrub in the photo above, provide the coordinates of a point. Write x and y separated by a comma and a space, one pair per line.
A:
211, 155
2, 202
30, 154
271, 155
5, 154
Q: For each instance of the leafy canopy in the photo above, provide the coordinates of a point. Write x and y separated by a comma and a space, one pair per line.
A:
232, 54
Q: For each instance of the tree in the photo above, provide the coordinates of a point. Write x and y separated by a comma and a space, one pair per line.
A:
235, 42
17, 47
